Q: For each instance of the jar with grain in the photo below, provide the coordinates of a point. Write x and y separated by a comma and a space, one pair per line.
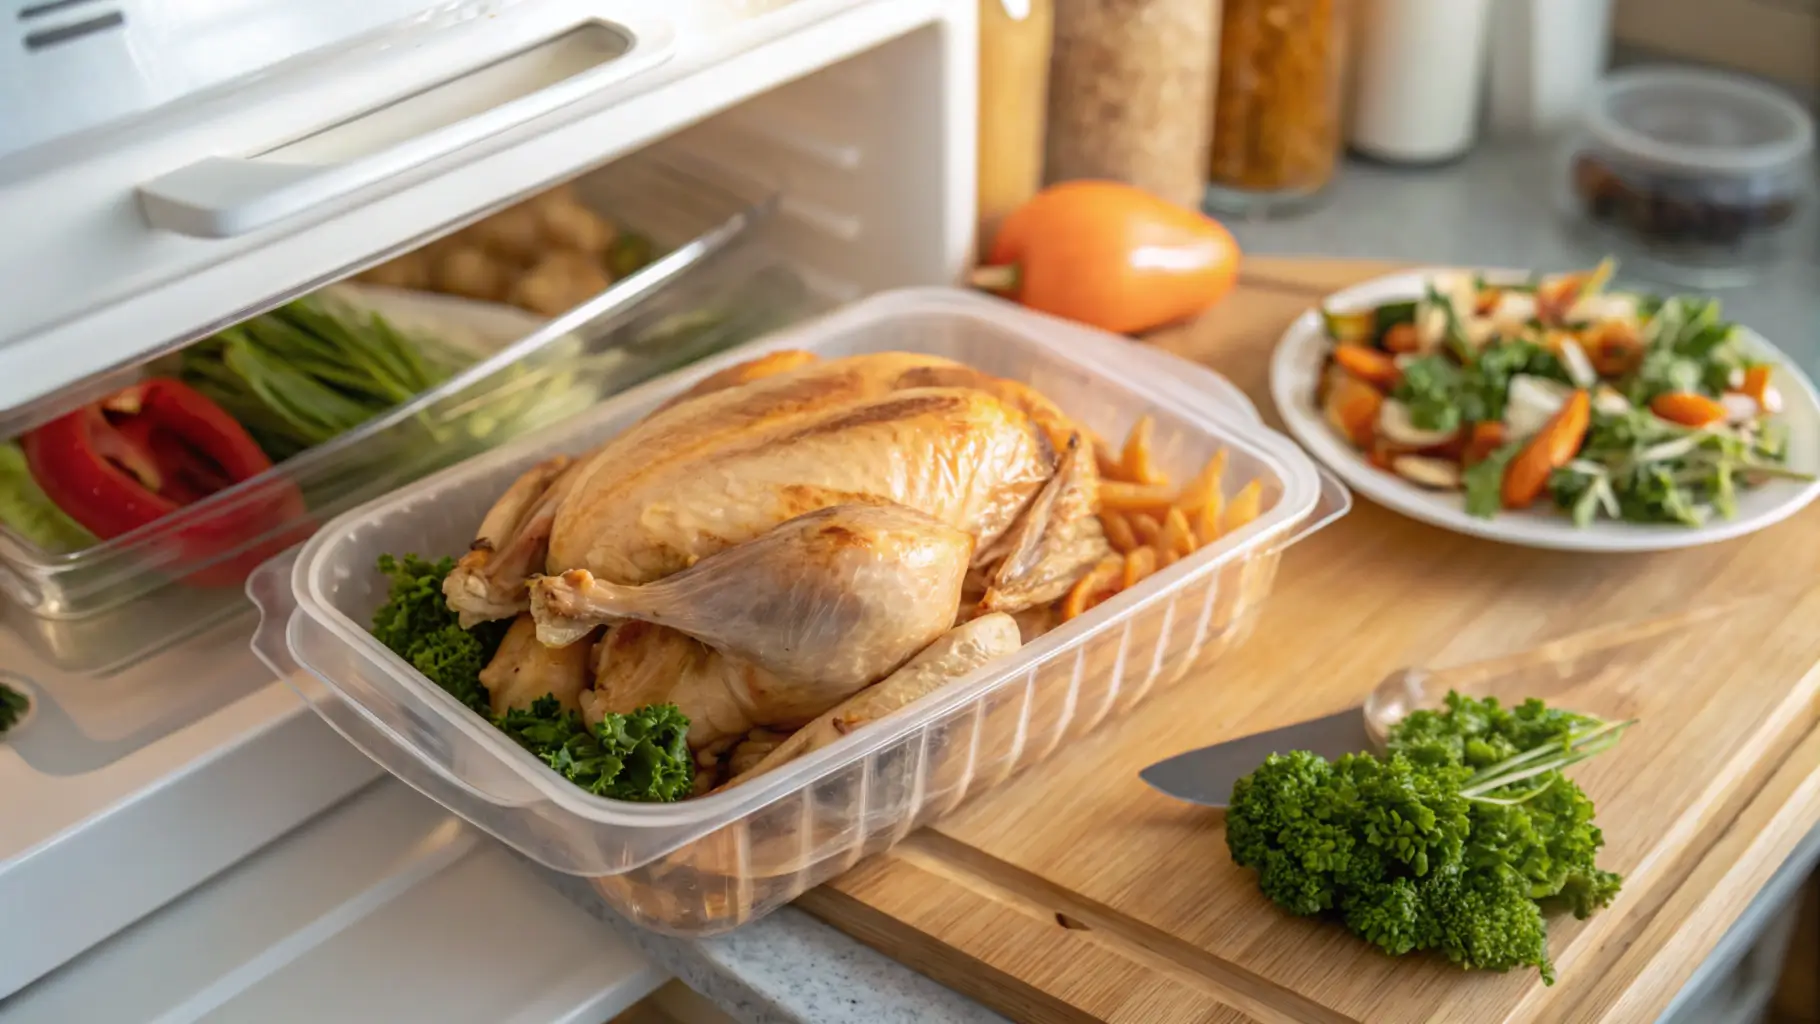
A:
1130, 90
1015, 37
1276, 119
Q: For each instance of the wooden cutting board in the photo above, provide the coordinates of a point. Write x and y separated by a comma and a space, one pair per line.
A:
1076, 893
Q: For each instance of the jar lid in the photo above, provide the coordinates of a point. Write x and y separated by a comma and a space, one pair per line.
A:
1704, 122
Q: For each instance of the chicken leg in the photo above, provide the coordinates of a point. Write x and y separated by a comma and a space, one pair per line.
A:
828, 601
956, 653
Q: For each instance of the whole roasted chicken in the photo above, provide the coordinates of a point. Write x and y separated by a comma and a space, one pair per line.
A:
766, 546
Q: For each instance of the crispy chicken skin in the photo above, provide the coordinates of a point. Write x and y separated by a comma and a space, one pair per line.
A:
958, 455
820, 606
788, 532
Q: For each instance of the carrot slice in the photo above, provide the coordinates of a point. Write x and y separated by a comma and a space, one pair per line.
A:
1756, 385
1136, 461
1145, 527
1205, 486
1402, 338
1139, 564
1554, 446
1092, 588
1487, 437
1368, 364
1352, 409
1118, 532
1614, 347
1177, 536
1133, 497
1206, 522
1244, 506
1687, 408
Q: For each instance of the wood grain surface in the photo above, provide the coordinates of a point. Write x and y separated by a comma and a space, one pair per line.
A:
1076, 893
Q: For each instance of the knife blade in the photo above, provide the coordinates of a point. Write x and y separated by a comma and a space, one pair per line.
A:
1206, 775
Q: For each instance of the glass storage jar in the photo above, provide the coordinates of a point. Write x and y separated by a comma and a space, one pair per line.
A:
1277, 107
1692, 176
1131, 84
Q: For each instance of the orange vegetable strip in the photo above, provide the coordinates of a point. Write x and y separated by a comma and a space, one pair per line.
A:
1554, 446
1136, 460
1097, 579
1121, 496
1207, 522
1118, 532
1139, 564
1687, 408
1205, 487
1177, 535
1368, 364
1244, 506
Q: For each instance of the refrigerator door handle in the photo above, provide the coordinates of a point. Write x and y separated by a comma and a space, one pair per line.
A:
229, 196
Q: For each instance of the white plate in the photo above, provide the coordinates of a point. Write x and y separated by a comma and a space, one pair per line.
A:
1295, 369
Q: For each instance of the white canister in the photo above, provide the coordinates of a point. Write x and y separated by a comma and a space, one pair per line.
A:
1547, 57
1418, 68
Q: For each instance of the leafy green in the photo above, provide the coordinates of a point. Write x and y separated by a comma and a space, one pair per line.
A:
1484, 481
417, 624
1648, 470
1444, 394
1690, 349
13, 706
1480, 733
312, 370
30, 512
1456, 840
643, 756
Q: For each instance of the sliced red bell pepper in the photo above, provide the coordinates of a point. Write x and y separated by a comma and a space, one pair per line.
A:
149, 450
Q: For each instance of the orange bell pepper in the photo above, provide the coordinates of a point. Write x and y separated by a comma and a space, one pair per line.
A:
1110, 256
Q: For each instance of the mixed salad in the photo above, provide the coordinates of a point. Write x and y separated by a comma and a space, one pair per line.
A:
1602, 404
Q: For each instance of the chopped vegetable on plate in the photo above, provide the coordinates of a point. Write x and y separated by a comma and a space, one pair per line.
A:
1556, 392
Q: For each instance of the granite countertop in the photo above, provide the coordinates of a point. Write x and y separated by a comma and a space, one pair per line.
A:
1491, 209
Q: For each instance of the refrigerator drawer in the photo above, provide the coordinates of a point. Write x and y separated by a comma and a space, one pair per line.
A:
125, 243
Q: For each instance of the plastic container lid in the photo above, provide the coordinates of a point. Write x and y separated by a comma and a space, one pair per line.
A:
1700, 122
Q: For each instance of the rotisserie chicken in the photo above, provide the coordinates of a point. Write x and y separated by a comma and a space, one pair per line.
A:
783, 536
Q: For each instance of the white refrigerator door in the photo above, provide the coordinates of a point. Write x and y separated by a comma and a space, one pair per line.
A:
386, 908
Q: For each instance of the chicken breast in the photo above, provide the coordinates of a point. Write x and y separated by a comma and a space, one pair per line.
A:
961, 456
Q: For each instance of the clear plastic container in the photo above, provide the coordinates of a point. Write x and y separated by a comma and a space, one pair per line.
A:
1693, 175
710, 864
716, 284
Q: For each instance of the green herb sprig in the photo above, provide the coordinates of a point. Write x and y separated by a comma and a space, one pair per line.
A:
643, 756
1457, 840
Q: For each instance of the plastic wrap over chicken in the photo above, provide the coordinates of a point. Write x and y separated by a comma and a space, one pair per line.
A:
769, 545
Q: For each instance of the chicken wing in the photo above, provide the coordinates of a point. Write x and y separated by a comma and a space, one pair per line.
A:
514, 539
1057, 538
